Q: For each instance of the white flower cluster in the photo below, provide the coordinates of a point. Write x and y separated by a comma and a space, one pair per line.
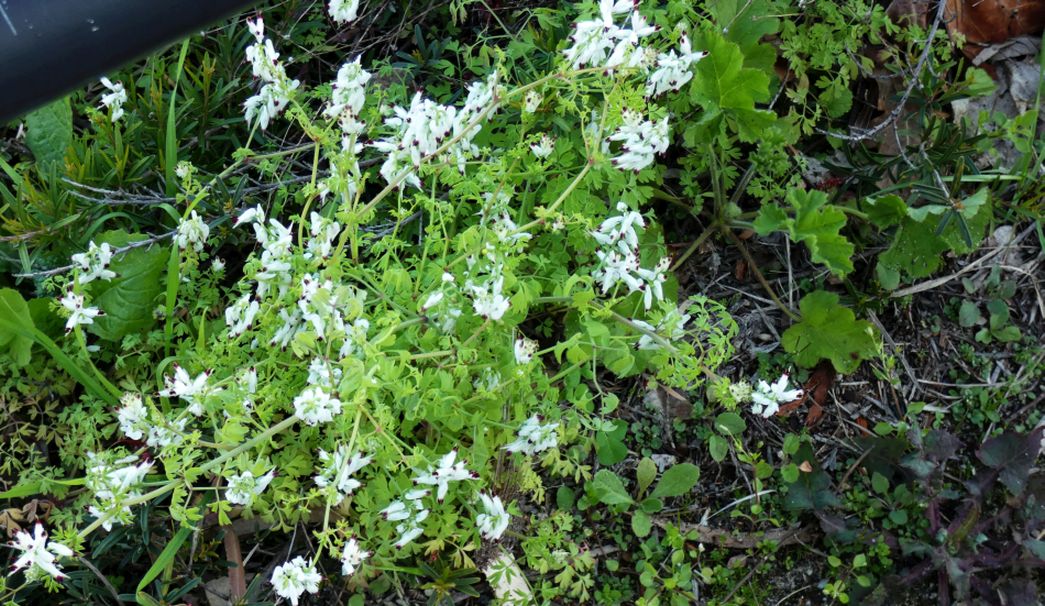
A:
193, 232
137, 421
493, 521
543, 147
602, 43
338, 469
673, 71
671, 327
524, 350
488, 298
426, 127
410, 512
349, 95
243, 487
766, 398
192, 390
115, 98
293, 579
113, 482
315, 406
94, 264
352, 556
277, 88
344, 11
619, 258
79, 312
641, 140
39, 556
534, 437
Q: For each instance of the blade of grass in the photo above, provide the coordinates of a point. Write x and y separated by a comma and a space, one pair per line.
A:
170, 146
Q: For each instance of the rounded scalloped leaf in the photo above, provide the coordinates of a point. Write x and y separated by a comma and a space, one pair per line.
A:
829, 331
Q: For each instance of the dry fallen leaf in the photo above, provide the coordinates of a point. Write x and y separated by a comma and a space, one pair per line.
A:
982, 22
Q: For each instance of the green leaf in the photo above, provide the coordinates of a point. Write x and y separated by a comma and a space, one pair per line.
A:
641, 523
747, 24
609, 445
565, 498
1012, 455
886, 211
609, 489
14, 309
50, 132
645, 473
790, 473
879, 483
677, 480
651, 505
968, 314
165, 558
717, 447
816, 223
129, 299
829, 331
730, 423
724, 87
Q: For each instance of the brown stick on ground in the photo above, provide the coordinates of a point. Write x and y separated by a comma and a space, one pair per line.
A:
237, 576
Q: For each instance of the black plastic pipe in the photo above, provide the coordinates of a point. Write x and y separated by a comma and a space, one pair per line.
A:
50, 47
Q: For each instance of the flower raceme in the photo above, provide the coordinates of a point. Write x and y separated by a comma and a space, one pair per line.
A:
293, 579
766, 398
336, 475
94, 263
115, 98
493, 521
39, 557
79, 313
534, 437
244, 486
276, 89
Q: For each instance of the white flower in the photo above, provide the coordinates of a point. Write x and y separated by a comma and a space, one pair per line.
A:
619, 231
447, 471
672, 327
410, 512
321, 373
641, 140
251, 215
488, 300
532, 102
352, 556
524, 350
323, 231
338, 469
534, 437
163, 435
344, 11
654, 279
133, 416
217, 265
316, 406
78, 314
673, 71
243, 487
112, 483
494, 520
543, 148
432, 300
292, 579
94, 263
192, 231
240, 315
115, 98
602, 43
349, 91
39, 556
192, 390
277, 89
767, 398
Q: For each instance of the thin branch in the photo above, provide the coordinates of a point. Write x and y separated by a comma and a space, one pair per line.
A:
895, 113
